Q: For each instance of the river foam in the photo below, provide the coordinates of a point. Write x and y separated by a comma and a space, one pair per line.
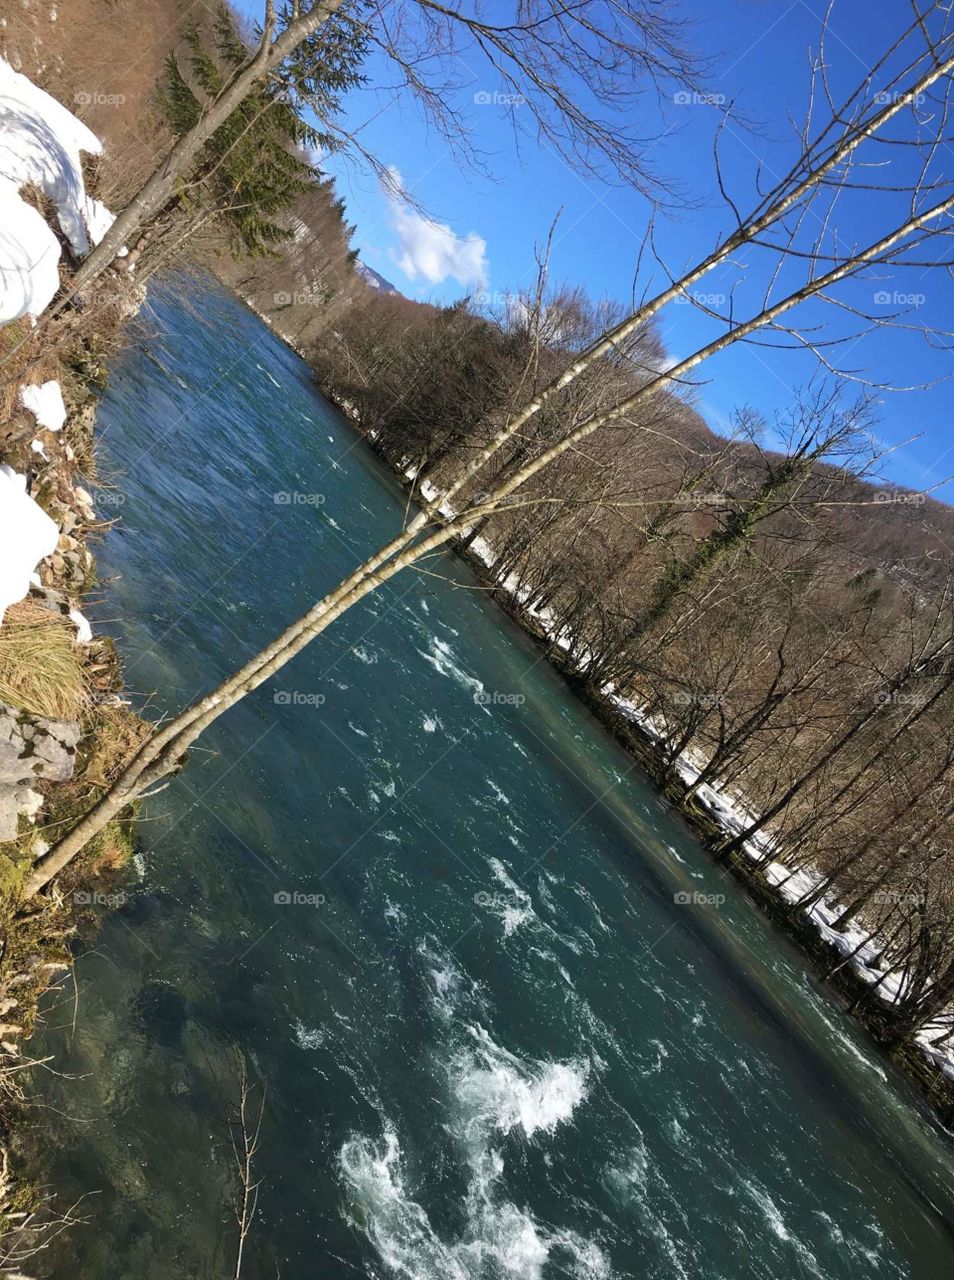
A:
492, 1094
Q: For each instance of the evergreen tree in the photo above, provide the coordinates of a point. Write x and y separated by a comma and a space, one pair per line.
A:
257, 162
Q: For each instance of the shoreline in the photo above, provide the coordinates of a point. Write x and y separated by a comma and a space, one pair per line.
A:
56, 761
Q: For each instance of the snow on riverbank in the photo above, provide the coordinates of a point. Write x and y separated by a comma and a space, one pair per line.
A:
45, 402
861, 949
27, 535
40, 146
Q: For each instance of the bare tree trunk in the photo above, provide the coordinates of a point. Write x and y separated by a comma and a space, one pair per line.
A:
245, 1133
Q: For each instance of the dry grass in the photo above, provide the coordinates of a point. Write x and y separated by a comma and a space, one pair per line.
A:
117, 736
40, 666
27, 363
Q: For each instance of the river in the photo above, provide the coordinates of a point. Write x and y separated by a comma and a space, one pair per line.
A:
514, 1025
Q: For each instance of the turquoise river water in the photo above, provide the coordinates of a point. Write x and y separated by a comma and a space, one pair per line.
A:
437, 909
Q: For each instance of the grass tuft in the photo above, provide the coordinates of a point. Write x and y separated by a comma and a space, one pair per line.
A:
40, 666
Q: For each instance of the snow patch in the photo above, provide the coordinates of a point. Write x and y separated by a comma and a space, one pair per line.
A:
40, 145
27, 534
45, 402
84, 632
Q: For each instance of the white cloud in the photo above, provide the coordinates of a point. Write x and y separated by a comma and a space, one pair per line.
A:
431, 250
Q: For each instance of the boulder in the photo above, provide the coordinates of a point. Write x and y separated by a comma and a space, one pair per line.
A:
54, 749
13, 768
28, 801
31, 748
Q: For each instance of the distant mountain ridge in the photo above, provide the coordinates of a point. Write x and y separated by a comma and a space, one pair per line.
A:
374, 278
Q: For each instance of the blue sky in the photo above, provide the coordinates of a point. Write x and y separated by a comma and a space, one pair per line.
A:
758, 53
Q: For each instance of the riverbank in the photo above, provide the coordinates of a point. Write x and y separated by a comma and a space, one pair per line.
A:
846, 963
65, 731
65, 727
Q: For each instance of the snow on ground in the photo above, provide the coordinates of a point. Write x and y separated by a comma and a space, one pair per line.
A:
27, 535
40, 145
84, 632
29, 257
45, 402
861, 949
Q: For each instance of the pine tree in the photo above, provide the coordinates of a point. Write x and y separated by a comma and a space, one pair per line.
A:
257, 162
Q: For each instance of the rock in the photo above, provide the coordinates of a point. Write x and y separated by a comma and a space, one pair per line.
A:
31, 748
52, 758
50, 597
9, 814
28, 801
12, 766
68, 732
84, 499
85, 418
